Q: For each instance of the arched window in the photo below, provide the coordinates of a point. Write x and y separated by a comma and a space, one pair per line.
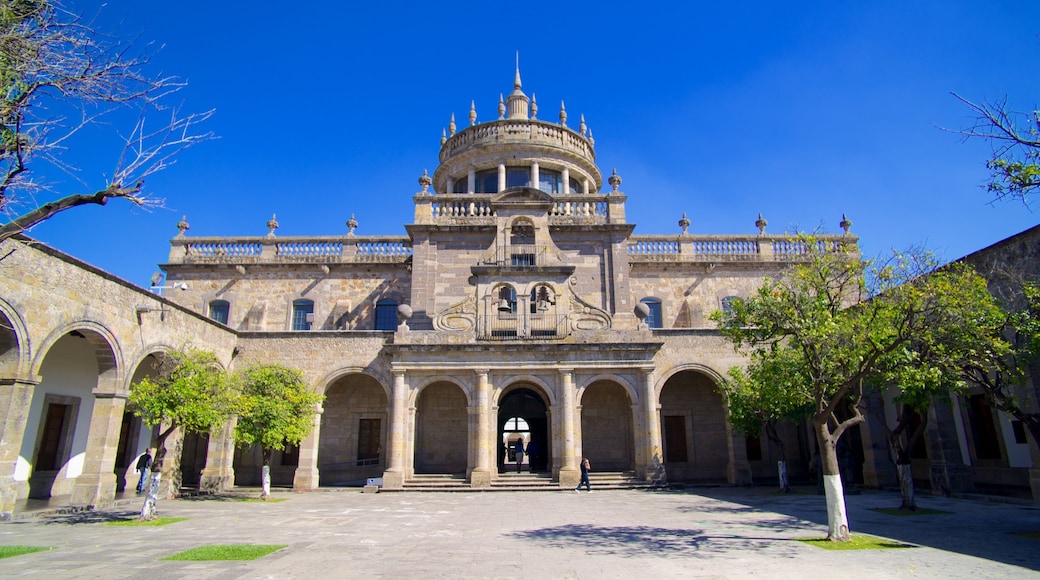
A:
506, 297
486, 181
653, 320
550, 181
575, 186
541, 299
219, 310
518, 177
302, 314
386, 315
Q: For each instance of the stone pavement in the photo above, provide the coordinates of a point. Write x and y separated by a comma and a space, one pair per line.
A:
698, 533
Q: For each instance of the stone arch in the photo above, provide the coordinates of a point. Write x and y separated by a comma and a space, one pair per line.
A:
607, 426
508, 383
524, 414
441, 428
425, 382
662, 378
694, 431
323, 384
103, 342
623, 381
15, 351
353, 438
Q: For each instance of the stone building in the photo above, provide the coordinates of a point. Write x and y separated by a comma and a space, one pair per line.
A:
520, 305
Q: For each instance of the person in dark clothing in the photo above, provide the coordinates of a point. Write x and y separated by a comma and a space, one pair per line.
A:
585, 467
518, 450
144, 465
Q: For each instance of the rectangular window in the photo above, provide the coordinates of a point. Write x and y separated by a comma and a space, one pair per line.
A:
49, 457
549, 181
368, 442
754, 448
302, 315
290, 455
675, 439
1019, 429
219, 310
518, 177
386, 315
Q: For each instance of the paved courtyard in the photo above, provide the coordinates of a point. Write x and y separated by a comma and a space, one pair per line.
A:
702, 533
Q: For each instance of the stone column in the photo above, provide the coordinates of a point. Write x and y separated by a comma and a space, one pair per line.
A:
15, 398
654, 454
535, 174
948, 471
878, 469
738, 470
501, 177
393, 477
219, 472
565, 176
569, 474
481, 475
307, 476
471, 181
96, 486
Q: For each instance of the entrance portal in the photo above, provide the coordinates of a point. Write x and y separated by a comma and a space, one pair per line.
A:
522, 416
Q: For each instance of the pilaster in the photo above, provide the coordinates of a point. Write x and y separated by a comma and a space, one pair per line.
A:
219, 472
481, 474
15, 398
569, 475
948, 472
393, 477
655, 472
96, 486
307, 476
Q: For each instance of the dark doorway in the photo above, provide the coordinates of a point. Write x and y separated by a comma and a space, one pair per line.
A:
522, 414
193, 458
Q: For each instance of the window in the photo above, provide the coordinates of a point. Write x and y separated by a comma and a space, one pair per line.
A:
386, 315
487, 181
302, 314
987, 446
290, 455
727, 305
1019, 429
368, 442
653, 320
518, 177
575, 186
753, 446
461, 185
550, 181
540, 299
218, 310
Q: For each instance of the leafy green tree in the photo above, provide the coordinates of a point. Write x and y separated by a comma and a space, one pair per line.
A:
276, 408
1015, 136
833, 325
59, 75
191, 392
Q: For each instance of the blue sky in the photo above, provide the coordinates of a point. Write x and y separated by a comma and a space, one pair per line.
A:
799, 110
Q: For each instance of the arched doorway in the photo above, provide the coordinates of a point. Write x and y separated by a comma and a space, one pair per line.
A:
607, 438
134, 437
441, 429
693, 429
522, 415
352, 440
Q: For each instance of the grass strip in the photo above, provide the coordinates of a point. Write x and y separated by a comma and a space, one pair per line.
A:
226, 552
152, 522
12, 551
857, 542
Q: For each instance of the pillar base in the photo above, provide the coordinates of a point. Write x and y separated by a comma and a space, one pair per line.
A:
1034, 484
92, 491
306, 479
950, 478
216, 482
393, 480
739, 473
569, 478
479, 478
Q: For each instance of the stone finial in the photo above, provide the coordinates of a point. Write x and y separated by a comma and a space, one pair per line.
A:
451, 125
425, 181
183, 226
351, 225
592, 140
761, 224
563, 114
444, 137
614, 180
272, 225
472, 113
534, 107
684, 223
581, 126
845, 224
501, 107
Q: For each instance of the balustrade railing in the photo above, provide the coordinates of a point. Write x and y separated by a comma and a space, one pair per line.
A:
517, 131
723, 247
522, 326
260, 250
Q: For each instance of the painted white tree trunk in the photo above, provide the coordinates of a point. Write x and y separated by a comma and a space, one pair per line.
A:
148, 511
781, 469
837, 521
266, 481
906, 486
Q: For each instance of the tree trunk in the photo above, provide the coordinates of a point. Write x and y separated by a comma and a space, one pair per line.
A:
837, 520
781, 469
148, 510
265, 490
781, 465
906, 486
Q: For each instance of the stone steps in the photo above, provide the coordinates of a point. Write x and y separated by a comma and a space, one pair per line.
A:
512, 481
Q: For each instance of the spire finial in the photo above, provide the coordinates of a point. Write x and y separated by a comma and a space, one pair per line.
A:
592, 140
761, 224
845, 224
183, 226
563, 114
351, 225
516, 81
451, 125
581, 126
272, 225
425, 181
534, 107
614, 180
444, 137
501, 107
684, 222
472, 113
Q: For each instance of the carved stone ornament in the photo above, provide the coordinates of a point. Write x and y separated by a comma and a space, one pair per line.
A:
459, 316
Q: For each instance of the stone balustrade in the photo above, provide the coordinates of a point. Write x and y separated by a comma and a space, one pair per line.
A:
721, 248
475, 208
524, 131
290, 250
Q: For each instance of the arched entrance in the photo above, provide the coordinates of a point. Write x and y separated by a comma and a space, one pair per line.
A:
134, 437
693, 429
522, 415
351, 443
607, 438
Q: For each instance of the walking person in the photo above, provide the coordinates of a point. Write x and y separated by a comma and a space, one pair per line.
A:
585, 467
144, 465
518, 450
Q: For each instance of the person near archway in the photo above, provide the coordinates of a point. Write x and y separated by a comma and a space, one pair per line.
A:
585, 467
518, 450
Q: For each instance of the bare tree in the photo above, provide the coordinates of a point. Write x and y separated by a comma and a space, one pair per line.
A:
59, 74
1015, 137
